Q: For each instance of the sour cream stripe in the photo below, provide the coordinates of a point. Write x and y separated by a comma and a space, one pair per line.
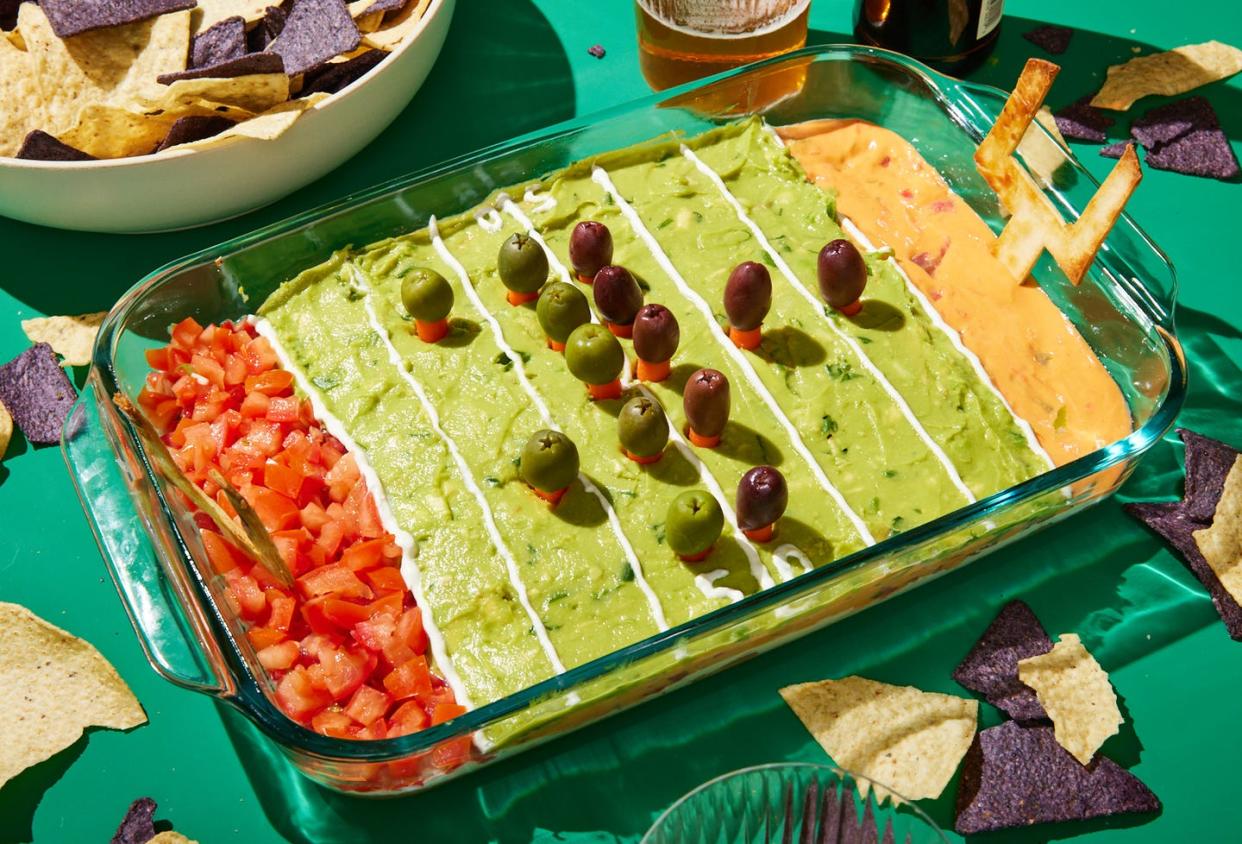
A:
489, 520
653, 600
757, 569
818, 305
410, 571
636, 223
956, 339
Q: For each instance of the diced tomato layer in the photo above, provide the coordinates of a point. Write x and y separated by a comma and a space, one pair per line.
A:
346, 646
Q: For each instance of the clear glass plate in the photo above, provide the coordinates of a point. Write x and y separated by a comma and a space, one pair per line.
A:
1123, 309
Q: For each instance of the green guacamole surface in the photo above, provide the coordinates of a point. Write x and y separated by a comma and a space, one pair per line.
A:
570, 561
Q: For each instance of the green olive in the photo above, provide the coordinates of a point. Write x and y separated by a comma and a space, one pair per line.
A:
642, 427
426, 295
593, 354
522, 264
549, 461
694, 523
562, 308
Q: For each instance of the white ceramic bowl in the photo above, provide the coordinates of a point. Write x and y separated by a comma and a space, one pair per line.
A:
183, 188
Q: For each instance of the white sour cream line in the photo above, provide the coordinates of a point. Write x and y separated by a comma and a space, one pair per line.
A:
653, 600
707, 585
636, 223
818, 305
784, 553
542, 202
489, 521
488, 220
956, 339
410, 571
757, 569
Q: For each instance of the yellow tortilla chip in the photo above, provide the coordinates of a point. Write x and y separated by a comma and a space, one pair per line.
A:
6, 429
1074, 690
71, 337
1174, 72
210, 12
905, 738
53, 80
170, 837
52, 687
369, 22
267, 126
1221, 544
1035, 224
254, 93
1042, 155
106, 131
393, 33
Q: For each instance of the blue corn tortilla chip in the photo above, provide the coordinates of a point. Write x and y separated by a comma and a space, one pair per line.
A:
73, 17
221, 42
333, 78
314, 31
266, 30
1185, 137
193, 128
1208, 462
36, 393
40, 146
1115, 149
991, 667
138, 825
1016, 776
1049, 38
1083, 122
1171, 521
246, 65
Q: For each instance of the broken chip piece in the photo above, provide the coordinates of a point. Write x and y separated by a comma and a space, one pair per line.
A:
251, 64
1221, 542
1208, 463
40, 146
35, 390
1017, 775
313, 32
991, 667
1050, 38
1077, 695
71, 337
1083, 122
73, 17
1186, 137
138, 825
906, 738
53, 686
1115, 149
1173, 72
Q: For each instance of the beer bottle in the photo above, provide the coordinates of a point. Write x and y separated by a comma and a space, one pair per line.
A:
950, 35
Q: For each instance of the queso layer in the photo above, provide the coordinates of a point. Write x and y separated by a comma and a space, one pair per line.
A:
879, 422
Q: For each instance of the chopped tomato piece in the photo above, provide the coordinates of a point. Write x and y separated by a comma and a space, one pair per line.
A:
335, 579
186, 332
262, 637
157, 358
333, 722
410, 631
409, 679
283, 409
385, 579
298, 695
442, 711
344, 672
367, 704
273, 382
275, 510
409, 717
390, 605
281, 615
246, 594
279, 656
364, 555
219, 552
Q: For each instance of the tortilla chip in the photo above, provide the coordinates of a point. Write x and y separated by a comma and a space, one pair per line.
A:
1083, 122
49, 84
254, 93
249, 65
35, 390
1185, 136
1208, 463
907, 739
221, 42
1074, 690
40, 146
1016, 776
314, 31
52, 687
196, 128
211, 12
1174, 72
396, 30
71, 337
264, 127
1221, 543
991, 667
171, 837
1050, 38
105, 131
334, 77
6, 430
73, 17
1035, 223
138, 825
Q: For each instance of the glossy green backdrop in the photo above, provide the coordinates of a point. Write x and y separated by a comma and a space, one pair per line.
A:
511, 66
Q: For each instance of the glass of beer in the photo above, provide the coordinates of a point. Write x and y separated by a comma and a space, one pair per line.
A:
682, 40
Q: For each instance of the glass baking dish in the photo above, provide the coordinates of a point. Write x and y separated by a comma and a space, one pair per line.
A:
1124, 309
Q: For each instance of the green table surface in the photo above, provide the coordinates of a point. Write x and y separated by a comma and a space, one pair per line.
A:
515, 66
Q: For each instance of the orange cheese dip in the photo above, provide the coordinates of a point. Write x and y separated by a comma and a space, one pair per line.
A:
1034, 355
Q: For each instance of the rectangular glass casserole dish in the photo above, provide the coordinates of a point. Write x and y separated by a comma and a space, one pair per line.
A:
1123, 309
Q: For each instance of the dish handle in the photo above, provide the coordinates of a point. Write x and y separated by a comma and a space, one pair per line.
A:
166, 623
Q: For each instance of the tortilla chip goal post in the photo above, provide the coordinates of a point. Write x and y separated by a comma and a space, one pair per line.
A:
1035, 224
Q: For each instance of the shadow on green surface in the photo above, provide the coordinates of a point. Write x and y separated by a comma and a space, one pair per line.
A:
502, 73
20, 796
